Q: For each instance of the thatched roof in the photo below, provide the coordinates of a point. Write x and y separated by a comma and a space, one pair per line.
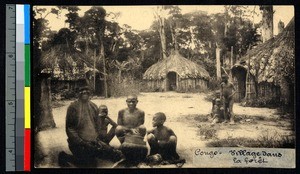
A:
70, 63
176, 63
275, 58
64, 56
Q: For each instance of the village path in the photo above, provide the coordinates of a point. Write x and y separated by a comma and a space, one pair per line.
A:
182, 111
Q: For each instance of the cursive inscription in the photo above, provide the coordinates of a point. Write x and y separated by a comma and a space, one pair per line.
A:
211, 153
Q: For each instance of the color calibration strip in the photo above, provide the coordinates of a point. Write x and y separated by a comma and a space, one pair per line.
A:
27, 149
10, 87
23, 88
20, 81
18, 88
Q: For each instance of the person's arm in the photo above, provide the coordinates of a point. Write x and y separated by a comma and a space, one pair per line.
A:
114, 124
233, 90
71, 126
120, 118
171, 132
221, 91
142, 118
95, 116
150, 131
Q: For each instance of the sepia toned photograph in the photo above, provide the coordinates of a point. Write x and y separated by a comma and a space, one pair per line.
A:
165, 86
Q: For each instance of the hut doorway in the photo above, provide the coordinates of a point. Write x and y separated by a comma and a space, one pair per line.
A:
239, 75
171, 81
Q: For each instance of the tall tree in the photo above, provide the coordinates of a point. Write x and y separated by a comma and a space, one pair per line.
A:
267, 22
160, 16
96, 18
43, 117
90, 30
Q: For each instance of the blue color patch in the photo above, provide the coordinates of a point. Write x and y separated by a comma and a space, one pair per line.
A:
27, 23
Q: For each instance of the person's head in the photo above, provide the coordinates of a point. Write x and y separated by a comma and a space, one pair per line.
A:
158, 119
218, 93
224, 78
103, 111
84, 93
218, 102
131, 101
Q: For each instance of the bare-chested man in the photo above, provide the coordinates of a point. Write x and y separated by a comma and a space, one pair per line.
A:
162, 140
130, 120
227, 92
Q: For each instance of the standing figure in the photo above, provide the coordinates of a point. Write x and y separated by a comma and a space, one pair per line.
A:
130, 120
162, 140
227, 92
103, 123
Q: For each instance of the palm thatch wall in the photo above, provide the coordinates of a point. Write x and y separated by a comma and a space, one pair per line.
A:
176, 73
270, 67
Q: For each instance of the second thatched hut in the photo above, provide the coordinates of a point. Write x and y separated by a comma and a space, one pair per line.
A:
176, 73
267, 72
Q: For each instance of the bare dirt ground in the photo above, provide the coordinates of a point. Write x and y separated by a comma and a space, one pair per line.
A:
186, 115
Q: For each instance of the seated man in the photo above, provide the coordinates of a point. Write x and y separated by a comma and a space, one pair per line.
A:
162, 140
130, 120
103, 123
81, 129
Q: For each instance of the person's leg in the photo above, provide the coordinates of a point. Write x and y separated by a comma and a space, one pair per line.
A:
153, 143
120, 133
225, 107
105, 151
110, 135
230, 110
169, 149
83, 157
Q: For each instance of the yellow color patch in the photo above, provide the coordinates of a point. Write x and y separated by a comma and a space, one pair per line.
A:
27, 107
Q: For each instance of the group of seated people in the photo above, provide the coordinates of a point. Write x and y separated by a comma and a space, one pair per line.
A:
89, 137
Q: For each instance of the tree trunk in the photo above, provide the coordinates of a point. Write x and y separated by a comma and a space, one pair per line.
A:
162, 35
44, 117
267, 22
119, 75
231, 57
94, 73
218, 62
173, 33
86, 47
104, 68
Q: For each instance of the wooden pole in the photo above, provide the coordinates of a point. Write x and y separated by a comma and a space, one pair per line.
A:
231, 57
94, 73
218, 62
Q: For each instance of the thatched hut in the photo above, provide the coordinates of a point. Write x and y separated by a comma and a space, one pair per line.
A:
268, 71
176, 73
69, 69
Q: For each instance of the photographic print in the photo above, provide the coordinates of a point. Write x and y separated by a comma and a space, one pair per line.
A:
165, 86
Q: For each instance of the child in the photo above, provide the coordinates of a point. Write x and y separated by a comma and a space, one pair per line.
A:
162, 140
217, 95
103, 123
217, 112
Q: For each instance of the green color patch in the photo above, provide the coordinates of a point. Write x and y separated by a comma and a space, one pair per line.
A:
27, 65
